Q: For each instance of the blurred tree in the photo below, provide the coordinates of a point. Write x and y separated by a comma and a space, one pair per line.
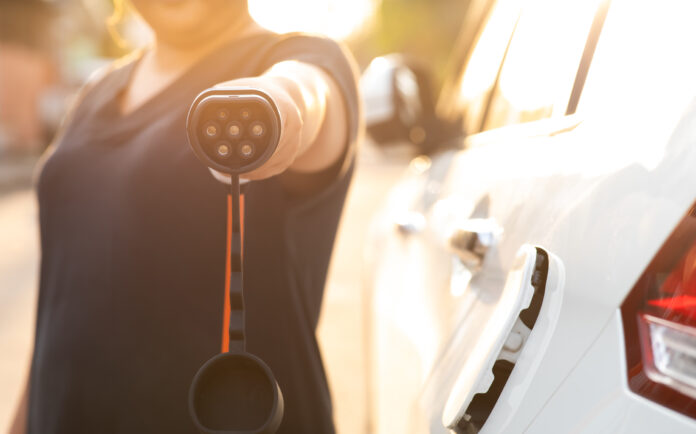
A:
47, 50
424, 29
27, 69
26, 22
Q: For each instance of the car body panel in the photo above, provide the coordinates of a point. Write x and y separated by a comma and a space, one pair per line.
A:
553, 204
601, 400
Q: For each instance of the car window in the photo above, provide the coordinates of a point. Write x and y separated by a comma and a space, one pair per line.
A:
539, 69
633, 65
476, 78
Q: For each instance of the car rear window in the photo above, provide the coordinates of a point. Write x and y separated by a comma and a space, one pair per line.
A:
643, 69
539, 69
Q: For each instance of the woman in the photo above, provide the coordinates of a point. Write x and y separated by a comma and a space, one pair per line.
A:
133, 228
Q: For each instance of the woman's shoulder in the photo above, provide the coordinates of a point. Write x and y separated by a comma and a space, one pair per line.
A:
114, 70
100, 80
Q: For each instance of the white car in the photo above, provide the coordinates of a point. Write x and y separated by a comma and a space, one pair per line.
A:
540, 276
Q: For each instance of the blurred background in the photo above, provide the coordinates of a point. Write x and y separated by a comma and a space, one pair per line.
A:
48, 48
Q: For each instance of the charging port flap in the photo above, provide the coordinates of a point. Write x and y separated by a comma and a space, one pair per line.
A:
492, 360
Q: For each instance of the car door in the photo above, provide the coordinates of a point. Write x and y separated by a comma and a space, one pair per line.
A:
599, 191
419, 283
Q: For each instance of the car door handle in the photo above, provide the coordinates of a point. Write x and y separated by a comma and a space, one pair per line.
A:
410, 222
470, 241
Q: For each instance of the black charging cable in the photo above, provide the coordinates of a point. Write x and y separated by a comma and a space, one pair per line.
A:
237, 335
234, 392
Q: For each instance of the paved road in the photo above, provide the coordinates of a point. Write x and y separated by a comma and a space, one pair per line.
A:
18, 280
340, 330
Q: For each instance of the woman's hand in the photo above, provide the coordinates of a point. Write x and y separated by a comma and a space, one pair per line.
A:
312, 116
291, 128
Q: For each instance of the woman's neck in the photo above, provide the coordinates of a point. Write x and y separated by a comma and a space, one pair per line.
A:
168, 56
164, 62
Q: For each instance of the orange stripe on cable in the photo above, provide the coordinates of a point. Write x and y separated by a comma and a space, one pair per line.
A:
228, 271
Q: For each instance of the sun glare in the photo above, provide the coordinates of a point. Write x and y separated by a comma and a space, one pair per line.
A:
335, 18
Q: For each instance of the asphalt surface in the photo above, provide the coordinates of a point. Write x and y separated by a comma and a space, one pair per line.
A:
341, 332
19, 260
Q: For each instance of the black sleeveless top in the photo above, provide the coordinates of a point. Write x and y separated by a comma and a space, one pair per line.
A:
133, 231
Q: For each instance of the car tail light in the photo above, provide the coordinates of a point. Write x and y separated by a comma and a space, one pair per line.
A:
659, 319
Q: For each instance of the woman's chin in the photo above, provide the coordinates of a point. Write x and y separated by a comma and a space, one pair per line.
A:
186, 22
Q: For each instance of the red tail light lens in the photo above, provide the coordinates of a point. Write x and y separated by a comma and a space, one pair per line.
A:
659, 319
